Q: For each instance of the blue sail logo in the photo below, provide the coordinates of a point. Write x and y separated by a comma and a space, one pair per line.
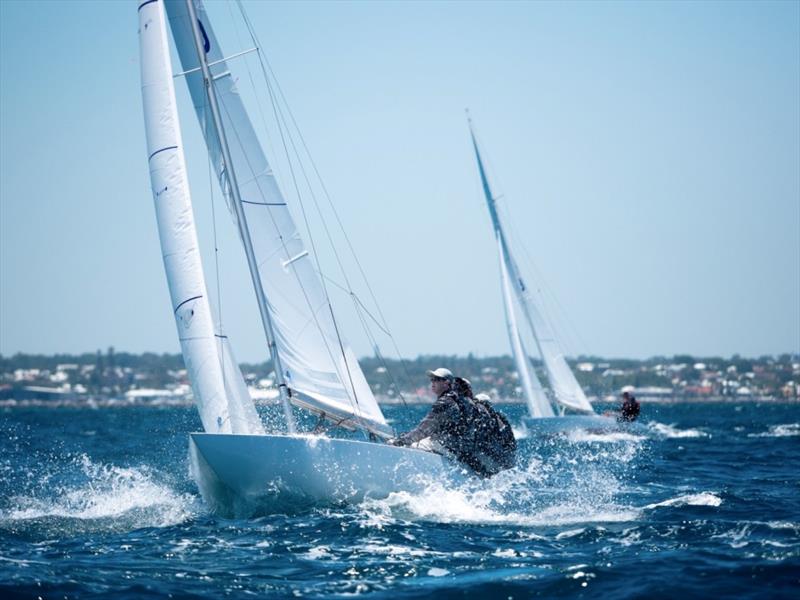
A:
206, 42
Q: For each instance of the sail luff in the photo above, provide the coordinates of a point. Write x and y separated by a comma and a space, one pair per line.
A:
177, 233
538, 404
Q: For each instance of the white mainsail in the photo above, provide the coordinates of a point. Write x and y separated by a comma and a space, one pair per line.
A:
565, 387
219, 389
318, 365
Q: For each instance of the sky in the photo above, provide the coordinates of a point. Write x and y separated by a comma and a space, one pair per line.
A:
646, 157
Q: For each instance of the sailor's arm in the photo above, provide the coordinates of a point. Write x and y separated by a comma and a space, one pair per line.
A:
429, 425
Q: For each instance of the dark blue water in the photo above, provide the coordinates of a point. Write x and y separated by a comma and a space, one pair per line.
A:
99, 504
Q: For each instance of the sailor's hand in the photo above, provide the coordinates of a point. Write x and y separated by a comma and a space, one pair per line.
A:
398, 441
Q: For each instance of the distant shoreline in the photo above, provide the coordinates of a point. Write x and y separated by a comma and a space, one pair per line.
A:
107, 403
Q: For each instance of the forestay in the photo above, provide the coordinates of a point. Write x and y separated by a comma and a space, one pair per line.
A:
219, 390
319, 367
565, 387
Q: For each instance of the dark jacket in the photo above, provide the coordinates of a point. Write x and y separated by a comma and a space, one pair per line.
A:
472, 431
629, 411
445, 423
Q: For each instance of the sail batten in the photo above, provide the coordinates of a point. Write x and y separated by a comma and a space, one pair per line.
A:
314, 359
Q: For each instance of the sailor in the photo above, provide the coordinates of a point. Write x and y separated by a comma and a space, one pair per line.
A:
629, 410
460, 427
442, 425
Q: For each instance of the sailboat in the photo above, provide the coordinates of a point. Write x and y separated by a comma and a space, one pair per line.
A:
548, 413
238, 465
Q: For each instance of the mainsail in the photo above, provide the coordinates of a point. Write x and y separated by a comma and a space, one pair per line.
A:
565, 387
538, 405
219, 389
318, 365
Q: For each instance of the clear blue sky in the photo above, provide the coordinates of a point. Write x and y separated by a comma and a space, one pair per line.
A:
648, 155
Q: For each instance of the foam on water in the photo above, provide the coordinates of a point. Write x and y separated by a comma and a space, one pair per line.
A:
107, 493
701, 499
670, 431
567, 487
613, 437
787, 430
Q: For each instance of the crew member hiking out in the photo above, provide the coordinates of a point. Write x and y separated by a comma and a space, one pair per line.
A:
462, 428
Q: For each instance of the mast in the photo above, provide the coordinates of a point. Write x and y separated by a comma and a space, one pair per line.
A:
241, 218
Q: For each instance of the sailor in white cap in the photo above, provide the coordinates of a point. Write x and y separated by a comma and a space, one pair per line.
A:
437, 428
441, 381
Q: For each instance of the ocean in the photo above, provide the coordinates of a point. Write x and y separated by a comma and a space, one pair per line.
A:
99, 504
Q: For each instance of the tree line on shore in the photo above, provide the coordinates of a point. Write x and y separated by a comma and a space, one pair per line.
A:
110, 372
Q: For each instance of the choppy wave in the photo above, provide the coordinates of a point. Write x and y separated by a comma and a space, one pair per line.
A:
108, 495
670, 431
701, 499
787, 430
581, 435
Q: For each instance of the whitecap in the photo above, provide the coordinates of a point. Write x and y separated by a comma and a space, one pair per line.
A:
318, 553
107, 492
670, 431
580, 435
782, 525
787, 430
701, 499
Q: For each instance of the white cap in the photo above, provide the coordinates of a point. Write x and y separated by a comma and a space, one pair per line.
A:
441, 373
482, 397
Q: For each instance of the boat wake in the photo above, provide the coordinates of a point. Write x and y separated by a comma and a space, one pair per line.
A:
98, 497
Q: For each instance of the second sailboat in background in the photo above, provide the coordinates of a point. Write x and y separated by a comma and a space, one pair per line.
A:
548, 409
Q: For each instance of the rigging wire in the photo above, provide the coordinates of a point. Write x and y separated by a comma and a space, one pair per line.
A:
226, 191
540, 285
360, 306
549, 297
279, 120
267, 135
267, 68
312, 309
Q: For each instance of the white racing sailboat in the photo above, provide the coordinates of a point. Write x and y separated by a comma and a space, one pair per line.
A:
547, 412
238, 466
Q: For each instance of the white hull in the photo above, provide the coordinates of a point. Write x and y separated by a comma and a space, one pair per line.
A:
589, 423
248, 474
